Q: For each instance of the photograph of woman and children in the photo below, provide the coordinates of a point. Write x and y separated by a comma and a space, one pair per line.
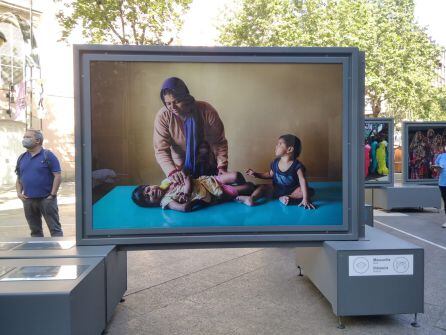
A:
376, 152
425, 144
212, 144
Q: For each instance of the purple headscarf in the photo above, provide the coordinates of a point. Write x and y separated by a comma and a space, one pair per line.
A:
178, 89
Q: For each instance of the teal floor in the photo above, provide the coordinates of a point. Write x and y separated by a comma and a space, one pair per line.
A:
117, 211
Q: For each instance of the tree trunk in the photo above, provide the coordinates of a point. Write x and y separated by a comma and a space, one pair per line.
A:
376, 107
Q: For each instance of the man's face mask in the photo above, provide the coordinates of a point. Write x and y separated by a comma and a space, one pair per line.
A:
28, 143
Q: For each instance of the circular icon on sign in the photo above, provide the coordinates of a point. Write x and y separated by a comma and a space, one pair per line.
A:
361, 265
401, 264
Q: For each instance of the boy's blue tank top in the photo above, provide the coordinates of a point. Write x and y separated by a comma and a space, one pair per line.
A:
285, 182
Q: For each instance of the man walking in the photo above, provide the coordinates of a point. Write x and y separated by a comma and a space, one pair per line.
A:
38, 179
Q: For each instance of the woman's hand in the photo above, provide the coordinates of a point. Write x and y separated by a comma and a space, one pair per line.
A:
183, 198
178, 178
306, 204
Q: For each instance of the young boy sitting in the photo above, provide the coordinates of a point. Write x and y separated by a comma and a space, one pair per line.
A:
287, 172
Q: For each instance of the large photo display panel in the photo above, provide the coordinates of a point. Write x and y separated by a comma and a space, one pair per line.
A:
195, 146
423, 142
378, 152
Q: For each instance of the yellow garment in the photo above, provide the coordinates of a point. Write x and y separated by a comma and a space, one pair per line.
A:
165, 184
381, 158
203, 189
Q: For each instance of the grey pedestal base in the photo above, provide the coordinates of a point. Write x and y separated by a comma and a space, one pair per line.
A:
115, 262
351, 291
54, 307
404, 196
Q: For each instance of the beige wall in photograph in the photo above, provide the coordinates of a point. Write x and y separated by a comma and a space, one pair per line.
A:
256, 102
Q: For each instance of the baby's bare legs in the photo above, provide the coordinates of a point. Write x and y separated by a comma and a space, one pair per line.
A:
231, 178
265, 190
245, 189
288, 199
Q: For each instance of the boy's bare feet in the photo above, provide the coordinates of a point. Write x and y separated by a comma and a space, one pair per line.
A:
285, 200
245, 199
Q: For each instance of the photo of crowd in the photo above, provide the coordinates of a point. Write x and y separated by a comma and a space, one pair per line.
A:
425, 144
377, 167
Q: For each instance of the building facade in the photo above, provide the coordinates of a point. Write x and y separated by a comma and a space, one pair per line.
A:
28, 77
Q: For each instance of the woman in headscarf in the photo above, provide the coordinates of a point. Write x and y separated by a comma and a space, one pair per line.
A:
189, 136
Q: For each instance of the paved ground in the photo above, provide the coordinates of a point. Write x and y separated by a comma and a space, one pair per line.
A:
249, 291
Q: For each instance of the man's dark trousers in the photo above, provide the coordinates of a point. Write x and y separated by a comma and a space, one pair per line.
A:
35, 208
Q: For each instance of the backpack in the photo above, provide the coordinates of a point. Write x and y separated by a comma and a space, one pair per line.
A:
45, 160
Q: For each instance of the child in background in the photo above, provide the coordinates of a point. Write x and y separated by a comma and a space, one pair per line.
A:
181, 197
287, 172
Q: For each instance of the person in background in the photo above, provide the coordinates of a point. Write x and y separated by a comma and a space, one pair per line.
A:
38, 180
440, 164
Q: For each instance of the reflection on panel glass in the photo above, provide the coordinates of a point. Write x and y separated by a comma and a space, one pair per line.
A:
5, 269
376, 152
226, 144
426, 143
47, 245
8, 245
63, 272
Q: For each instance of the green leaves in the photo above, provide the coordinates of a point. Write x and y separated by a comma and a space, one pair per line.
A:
123, 21
401, 61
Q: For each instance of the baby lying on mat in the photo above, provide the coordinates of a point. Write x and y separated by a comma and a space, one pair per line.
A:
206, 189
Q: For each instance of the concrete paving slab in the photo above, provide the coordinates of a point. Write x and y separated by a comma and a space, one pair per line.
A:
181, 318
157, 297
123, 314
431, 316
441, 323
155, 267
424, 224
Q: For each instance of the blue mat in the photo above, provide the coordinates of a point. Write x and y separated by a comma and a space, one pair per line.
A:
117, 211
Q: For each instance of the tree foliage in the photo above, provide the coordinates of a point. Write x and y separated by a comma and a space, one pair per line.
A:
402, 62
123, 21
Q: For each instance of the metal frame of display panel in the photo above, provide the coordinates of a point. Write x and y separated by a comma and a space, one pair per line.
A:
390, 122
353, 62
405, 166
